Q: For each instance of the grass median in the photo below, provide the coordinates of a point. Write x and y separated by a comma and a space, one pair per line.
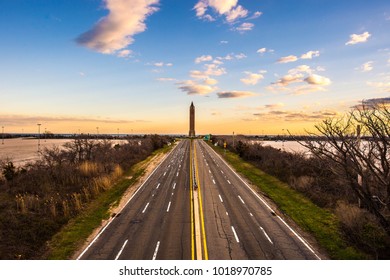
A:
74, 234
319, 222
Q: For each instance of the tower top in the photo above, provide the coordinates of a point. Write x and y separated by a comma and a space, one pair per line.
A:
192, 104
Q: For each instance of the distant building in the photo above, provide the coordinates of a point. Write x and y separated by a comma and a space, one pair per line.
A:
192, 120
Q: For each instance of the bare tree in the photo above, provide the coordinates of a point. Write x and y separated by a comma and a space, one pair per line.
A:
358, 143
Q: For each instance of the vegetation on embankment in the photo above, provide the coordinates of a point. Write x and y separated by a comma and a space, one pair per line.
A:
66, 194
321, 223
74, 234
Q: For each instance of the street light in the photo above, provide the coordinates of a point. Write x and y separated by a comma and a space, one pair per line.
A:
2, 134
39, 136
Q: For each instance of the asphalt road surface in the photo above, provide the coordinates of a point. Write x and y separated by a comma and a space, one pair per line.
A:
194, 206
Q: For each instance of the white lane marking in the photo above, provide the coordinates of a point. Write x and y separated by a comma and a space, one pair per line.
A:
127, 202
172, 194
179, 165
220, 198
235, 235
269, 207
169, 166
165, 173
209, 171
177, 174
156, 250
169, 206
145, 208
174, 185
222, 172
266, 235
229, 182
214, 181
243, 202
251, 214
121, 250
227, 214
158, 186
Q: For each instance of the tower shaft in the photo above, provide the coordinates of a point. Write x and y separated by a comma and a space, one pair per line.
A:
192, 120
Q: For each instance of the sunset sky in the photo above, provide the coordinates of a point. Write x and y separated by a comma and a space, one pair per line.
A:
249, 66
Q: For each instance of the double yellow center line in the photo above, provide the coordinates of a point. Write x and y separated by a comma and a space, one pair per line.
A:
198, 233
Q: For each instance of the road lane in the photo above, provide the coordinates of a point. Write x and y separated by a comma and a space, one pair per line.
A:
261, 232
135, 232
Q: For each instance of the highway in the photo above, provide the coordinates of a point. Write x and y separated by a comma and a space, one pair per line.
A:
194, 206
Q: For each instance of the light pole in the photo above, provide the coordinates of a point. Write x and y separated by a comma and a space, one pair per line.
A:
2, 135
39, 136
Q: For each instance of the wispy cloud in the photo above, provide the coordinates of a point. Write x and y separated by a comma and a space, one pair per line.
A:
235, 94
203, 58
246, 26
367, 67
287, 59
230, 10
33, 120
115, 31
358, 38
196, 87
310, 54
252, 78
292, 58
315, 79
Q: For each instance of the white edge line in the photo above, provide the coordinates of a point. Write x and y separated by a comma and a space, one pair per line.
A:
156, 250
113, 218
299, 237
120, 252
269, 207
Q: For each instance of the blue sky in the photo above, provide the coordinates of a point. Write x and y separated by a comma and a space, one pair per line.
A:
254, 66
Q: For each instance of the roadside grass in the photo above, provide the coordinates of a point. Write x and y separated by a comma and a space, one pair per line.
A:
73, 235
319, 222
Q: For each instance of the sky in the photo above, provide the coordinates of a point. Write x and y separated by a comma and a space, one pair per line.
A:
135, 66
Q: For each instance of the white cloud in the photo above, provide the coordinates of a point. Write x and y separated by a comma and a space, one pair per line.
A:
246, 26
210, 70
367, 67
201, 8
162, 64
115, 31
358, 38
203, 58
236, 13
262, 50
381, 86
166, 79
124, 53
287, 59
315, 79
252, 78
210, 81
256, 15
195, 88
310, 54
222, 6
235, 94
289, 79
